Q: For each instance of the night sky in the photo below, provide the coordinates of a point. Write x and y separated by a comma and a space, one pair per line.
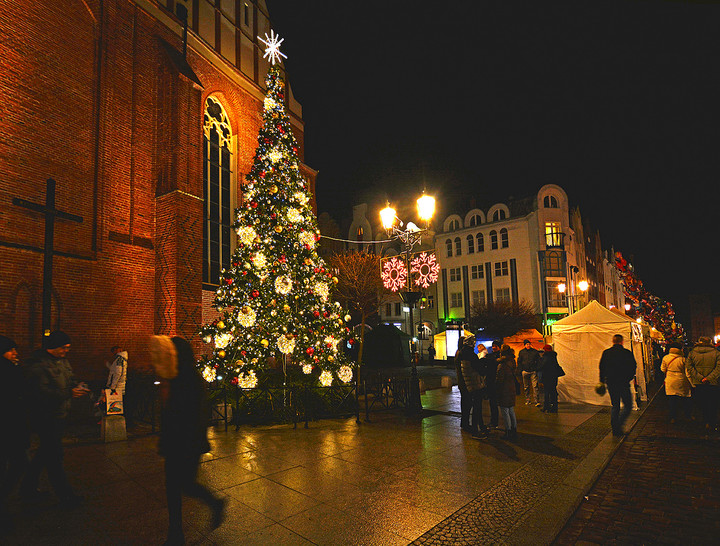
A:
618, 103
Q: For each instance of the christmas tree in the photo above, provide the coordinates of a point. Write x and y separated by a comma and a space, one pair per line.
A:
274, 301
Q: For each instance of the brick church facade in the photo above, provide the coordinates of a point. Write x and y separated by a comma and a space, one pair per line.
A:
148, 145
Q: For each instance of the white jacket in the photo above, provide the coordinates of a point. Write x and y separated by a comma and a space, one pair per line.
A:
676, 381
118, 372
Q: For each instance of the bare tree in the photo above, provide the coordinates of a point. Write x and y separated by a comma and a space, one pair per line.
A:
498, 320
359, 286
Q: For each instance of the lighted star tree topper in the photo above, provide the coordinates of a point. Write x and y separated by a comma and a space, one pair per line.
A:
274, 301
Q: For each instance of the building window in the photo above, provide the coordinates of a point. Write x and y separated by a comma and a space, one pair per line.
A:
456, 299
475, 220
555, 298
498, 215
493, 240
471, 244
360, 234
477, 272
388, 309
218, 179
554, 264
502, 295
430, 304
501, 269
454, 225
246, 15
455, 274
504, 241
448, 246
398, 309
478, 297
553, 235
480, 242
550, 202
458, 246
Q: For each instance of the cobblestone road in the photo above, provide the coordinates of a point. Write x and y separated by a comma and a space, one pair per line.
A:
662, 486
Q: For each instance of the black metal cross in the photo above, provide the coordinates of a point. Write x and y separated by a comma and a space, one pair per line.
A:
50, 213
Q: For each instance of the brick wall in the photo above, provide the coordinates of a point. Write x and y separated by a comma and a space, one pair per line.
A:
91, 98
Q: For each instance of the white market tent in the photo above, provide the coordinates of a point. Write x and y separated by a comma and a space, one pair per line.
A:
447, 343
579, 341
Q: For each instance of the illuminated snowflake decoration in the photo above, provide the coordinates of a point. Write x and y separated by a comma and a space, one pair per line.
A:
209, 374
293, 215
394, 274
308, 238
246, 317
275, 155
301, 198
426, 268
259, 260
269, 103
247, 234
325, 379
332, 343
247, 380
285, 344
272, 47
283, 285
307, 369
345, 374
322, 290
222, 340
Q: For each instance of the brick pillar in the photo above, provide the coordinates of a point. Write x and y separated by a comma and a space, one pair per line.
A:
178, 258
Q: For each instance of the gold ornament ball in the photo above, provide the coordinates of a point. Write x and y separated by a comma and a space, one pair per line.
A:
221, 353
286, 308
220, 325
335, 280
331, 358
273, 189
278, 229
348, 318
264, 343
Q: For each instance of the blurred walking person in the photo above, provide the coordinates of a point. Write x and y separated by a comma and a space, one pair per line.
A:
475, 384
548, 373
183, 431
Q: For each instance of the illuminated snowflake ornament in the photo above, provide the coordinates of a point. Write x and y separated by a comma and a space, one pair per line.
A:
269, 103
293, 215
246, 317
307, 238
322, 290
325, 379
394, 274
248, 380
275, 155
222, 340
209, 374
283, 285
247, 234
307, 368
345, 374
286, 344
425, 266
272, 47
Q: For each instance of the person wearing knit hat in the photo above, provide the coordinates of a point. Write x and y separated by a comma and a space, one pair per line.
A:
548, 373
51, 386
13, 429
528, 359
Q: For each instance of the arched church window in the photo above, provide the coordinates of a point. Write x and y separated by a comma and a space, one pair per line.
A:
218, 182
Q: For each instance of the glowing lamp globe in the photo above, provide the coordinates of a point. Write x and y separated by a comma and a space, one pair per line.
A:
426, 207
561, 287
387, 217
583, 286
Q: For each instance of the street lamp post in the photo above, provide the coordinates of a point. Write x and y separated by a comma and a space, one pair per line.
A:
572, 298
410, 235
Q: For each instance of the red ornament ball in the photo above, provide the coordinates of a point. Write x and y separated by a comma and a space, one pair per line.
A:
316, 314
309, 350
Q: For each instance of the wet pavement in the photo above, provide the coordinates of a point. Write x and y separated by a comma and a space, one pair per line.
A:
393, 480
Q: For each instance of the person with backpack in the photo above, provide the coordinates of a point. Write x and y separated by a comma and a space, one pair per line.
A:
470, 368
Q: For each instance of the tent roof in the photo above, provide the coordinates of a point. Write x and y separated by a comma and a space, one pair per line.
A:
532, 335
593, 313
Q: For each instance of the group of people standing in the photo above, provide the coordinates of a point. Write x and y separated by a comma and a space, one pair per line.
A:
695, 378
493, 376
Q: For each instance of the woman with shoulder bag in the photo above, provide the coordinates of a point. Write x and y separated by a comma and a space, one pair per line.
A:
505, 387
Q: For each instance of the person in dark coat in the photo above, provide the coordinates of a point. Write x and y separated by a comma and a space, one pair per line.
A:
51, 386
475, 383
491, 365
13, 428
183, 431
617, 369
505, 385
465, 403
548, 373
527, 363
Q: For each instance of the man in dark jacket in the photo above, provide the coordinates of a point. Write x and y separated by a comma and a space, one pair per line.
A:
464, 395
13, 429
475, 384
617, 369
52, 385
491, 365
527, 363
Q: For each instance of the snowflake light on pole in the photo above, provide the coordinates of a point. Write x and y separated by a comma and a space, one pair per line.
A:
394, 274
274, 296
425, 266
